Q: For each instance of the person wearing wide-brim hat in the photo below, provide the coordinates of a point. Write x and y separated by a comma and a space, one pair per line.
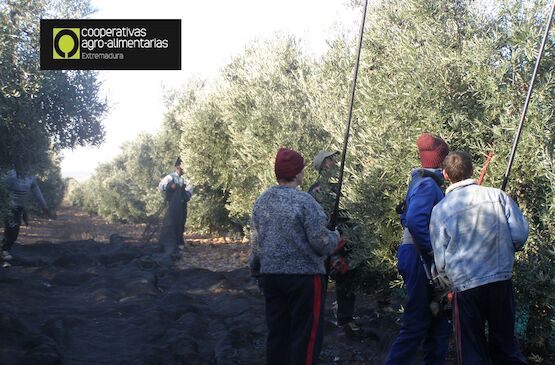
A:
289, 245
324, 160
323, 190
325, 193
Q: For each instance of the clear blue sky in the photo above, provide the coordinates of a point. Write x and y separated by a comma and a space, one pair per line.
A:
212, 33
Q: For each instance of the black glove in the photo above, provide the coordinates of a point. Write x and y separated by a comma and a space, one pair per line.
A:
255, 268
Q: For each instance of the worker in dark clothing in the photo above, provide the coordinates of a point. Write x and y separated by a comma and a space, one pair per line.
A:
19, 185
325, 191
179, 191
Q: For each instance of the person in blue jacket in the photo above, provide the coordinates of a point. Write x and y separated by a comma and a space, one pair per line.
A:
475, 232
419, 325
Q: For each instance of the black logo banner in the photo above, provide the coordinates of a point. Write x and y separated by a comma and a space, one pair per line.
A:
110, 44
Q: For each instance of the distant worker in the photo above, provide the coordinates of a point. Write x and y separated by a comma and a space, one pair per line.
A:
19, 184
475, 233
178, 191
324, 190
289, 245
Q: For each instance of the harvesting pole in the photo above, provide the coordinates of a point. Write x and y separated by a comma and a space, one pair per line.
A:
335, 213
528, 96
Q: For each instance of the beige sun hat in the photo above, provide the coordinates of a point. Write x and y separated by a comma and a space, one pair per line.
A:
321, 156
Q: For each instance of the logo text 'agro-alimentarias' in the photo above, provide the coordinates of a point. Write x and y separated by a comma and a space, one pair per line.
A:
110, 44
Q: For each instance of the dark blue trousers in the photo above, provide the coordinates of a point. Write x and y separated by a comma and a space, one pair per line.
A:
419, 326
11, 227
492, 303
345, 294
294, 314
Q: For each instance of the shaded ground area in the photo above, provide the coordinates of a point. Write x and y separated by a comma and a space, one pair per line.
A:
116, 301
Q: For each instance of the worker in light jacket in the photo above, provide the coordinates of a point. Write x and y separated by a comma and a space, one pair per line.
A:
19, 184
178, 191
475, 232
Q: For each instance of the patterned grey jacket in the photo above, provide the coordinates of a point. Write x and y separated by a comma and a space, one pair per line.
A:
289, 233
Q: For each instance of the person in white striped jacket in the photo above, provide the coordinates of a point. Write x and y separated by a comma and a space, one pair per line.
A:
19, 185
178, 191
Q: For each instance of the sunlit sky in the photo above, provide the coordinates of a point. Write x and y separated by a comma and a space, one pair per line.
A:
212, 33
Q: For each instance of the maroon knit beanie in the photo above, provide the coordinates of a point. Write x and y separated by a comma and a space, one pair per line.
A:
288, 163
432, 150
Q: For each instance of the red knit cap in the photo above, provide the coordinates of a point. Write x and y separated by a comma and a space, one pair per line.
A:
432, 150
288, 163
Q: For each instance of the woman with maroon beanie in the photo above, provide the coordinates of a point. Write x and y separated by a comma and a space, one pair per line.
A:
289, 244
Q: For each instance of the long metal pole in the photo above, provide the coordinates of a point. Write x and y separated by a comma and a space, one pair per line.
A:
335, 213
527, 102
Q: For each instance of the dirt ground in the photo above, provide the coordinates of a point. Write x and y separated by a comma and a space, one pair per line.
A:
72, 224
83, 291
